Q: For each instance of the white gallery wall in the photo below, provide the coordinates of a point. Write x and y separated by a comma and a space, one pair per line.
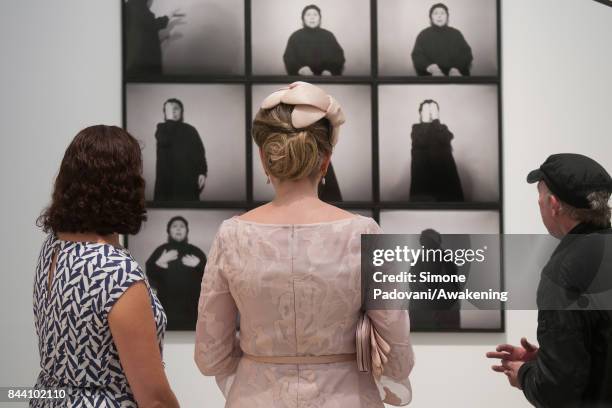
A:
60, 71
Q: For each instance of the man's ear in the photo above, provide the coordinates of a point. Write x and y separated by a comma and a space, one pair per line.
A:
555, 204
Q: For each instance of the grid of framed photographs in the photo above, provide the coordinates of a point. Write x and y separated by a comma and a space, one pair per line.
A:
419, 81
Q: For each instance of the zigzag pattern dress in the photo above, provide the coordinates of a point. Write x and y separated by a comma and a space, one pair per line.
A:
71, 317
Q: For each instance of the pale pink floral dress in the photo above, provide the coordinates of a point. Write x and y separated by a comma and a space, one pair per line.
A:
297, 289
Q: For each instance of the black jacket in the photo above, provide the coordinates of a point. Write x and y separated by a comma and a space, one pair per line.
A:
316, 48
178, 286
444, 46
181, 159
434, 175
574, 363
143, 48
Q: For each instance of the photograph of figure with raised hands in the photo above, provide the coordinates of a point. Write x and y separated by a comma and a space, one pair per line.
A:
183, 37
439, 143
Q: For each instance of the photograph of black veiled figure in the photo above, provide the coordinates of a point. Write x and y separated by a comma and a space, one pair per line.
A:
440, 313
451, 230
193, 140
180, 170
142, 35
313, 50
434, 175
349, 175
184, 37
455, 38
175, 270
172, 247
310, 39
441, 50
439, 143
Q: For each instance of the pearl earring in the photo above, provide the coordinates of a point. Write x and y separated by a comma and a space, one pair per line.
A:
323, 180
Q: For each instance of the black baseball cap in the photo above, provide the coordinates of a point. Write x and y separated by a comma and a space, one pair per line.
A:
572, 177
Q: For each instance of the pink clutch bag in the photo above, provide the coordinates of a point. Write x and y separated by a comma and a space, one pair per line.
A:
372, 349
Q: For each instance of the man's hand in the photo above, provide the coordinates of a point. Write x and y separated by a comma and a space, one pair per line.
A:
326, 73
165, 257
190, 260
435, 70
305, 71
511, 369
507, 352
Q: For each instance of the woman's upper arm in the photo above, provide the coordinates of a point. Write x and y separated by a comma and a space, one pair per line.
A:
134, 333
216, 347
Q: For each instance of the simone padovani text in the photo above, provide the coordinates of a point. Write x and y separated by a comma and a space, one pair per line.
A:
422, 277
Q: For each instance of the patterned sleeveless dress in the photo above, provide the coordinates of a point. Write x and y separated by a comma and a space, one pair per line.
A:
75, 344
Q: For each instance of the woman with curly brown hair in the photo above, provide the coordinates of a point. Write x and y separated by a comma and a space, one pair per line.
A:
100, 327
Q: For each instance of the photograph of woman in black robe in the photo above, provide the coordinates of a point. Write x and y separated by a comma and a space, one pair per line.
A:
181, 168
441, 50
175, 270
434, 314
433, 172
313, 50
142, 41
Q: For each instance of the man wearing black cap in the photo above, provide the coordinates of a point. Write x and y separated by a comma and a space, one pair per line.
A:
573, 365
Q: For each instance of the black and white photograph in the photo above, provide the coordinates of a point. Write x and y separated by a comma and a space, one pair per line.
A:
425, 38
293, 37
349, 176
451, 229
172, 247
439, 143
184, 37
193, 139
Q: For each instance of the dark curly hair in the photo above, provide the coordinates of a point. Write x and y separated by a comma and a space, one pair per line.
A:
99, 187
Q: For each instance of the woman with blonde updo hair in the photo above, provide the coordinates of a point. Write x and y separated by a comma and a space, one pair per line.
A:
291, 268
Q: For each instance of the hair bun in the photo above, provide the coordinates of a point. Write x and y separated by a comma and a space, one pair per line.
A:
290, 153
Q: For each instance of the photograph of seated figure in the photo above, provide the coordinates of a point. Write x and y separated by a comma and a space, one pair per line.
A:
313, 50
441, 50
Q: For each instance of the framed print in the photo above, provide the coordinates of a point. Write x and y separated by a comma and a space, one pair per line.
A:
185, 145
172, 248
439, 143
456, 38
183, 37
293, 37
452, 229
